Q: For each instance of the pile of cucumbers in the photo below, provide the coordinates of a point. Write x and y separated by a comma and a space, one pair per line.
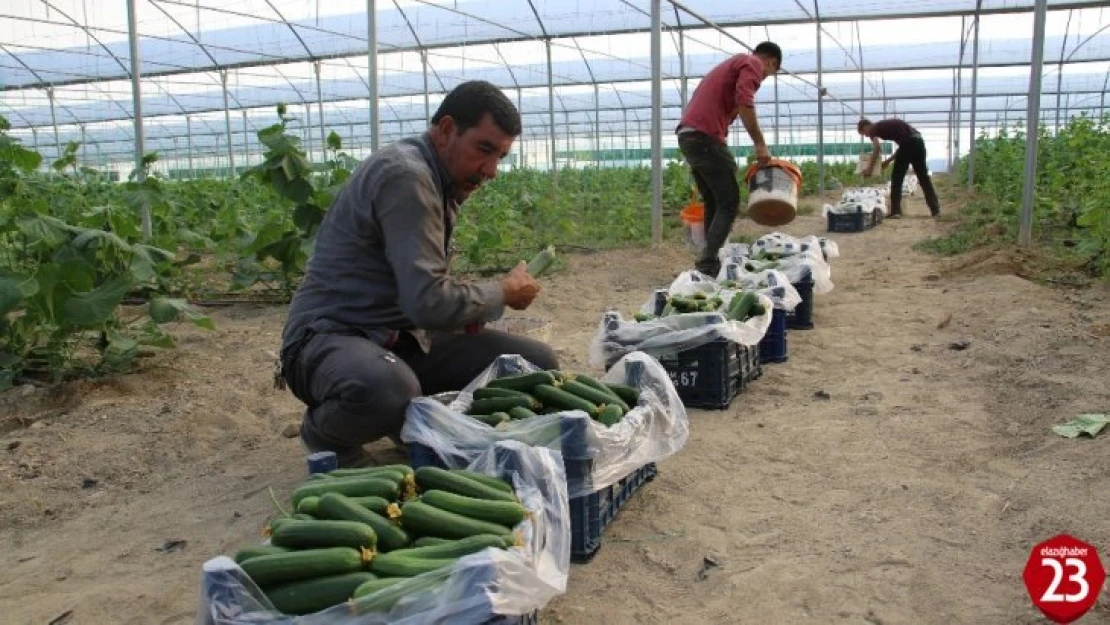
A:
358, 533
742, 306
526, 395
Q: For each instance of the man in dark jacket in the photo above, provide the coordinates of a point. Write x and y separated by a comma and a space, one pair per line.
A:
911, 151
378, 320
725, 93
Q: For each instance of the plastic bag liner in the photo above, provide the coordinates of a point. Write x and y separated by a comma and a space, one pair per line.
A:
479, 588
600, 456
666, 336
770, 282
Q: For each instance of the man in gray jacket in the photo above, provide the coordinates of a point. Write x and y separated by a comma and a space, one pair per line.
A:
378, 320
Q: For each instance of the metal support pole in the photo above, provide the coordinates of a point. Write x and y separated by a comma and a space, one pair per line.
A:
189, 145
227, 124
84, 149
308, 130
320, 110
246, 140
656, 123
974, 100
519, 108
137, 105
597, 129
1025, 234
682, 63
372, 69
820, 112
551, 116
427, 104
624, 154
54, 123
960, 88
776, 129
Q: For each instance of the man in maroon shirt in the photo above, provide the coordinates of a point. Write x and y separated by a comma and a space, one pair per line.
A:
727, 91
911, 151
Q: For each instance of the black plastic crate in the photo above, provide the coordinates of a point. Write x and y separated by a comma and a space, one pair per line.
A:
852, 222
801, 318
710, 375
773, 347
590, 515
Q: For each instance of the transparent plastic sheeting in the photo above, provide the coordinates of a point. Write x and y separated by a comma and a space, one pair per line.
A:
656, 428
860, 200
799, 257
669, 335
477, 588
770, 282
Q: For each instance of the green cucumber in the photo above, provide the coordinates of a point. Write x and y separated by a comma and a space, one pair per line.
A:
434, 478
342, 508
355, 486
373, 586
397, 564
322, 534
488, 480
741, 305
319, 476
455, 548
610, 415
313, 595
500, 404
254, 551
520, 412
428, 541
629, 394
492, 420
373, 504
591, 394
505, 513
523, 381
489, 392
367, 471
427, 520
301, 516
279, 568
308, 505
551, 396
541, 262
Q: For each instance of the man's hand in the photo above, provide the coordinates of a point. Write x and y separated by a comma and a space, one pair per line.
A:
762, 154
519, 288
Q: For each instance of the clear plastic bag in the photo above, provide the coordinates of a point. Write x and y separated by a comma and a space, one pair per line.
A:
656, 428
666, 336
770, 282
478, 588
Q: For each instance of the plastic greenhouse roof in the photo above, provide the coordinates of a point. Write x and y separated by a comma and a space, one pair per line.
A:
268, 46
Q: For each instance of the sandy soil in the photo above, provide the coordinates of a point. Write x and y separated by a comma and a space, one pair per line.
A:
911, 494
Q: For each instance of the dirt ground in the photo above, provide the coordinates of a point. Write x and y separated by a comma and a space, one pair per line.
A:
879, 476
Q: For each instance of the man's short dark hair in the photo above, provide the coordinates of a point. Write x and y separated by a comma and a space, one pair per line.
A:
862, 125
469, 102
771, 50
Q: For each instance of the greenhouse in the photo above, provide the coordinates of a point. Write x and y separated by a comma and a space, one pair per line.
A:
861, 400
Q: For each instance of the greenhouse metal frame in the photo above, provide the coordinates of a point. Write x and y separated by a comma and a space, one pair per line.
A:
154, 75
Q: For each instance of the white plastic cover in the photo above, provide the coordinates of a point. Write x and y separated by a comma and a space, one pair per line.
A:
656, 428
669, 335
770, 282
477, 588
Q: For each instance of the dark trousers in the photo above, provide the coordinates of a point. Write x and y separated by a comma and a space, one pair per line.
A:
715, 172
357, 391
913, 153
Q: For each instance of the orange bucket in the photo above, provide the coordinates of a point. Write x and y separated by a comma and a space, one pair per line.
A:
693, 218
773, 192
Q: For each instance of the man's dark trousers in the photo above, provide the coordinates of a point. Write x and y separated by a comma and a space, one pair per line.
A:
715, 171
913, 153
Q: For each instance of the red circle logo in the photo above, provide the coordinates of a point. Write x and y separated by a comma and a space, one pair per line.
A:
1064, 577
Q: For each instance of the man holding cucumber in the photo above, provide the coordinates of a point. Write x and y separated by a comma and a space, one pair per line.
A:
725, 93
378, 320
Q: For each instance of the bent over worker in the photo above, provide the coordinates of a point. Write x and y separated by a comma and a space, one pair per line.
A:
911, 151
378, 319
725, 93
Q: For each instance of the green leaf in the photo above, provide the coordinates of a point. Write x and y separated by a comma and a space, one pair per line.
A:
44, 230
154, 336
334, 141
19, 156
1090, 424
119, 352
11, 294
165, 310
307, 217
96, 307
